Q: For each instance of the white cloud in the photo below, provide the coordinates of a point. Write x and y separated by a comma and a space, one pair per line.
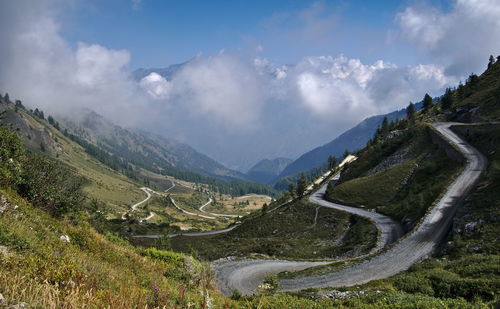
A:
224, 87
461, 39
345, 90
97, 66
221, 104
39, 66
156, 86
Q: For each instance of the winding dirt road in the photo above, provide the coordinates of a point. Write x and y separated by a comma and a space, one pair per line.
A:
246, 275
190, 234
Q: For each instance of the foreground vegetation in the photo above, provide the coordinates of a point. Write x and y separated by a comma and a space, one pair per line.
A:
51, 257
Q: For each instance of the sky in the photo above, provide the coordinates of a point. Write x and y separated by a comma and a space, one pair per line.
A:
261, 79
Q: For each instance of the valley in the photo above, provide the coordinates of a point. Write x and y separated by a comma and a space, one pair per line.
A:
249, 155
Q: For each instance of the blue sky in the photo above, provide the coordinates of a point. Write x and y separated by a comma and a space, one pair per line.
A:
264, 79
158, 33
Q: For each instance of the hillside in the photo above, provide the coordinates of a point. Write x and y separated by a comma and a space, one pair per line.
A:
50, 256
299, 230
145, 149
266, 170
351, 140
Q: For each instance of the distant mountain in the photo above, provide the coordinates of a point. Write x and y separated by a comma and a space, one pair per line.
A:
147, 150
266, 170
167, 72
352, 139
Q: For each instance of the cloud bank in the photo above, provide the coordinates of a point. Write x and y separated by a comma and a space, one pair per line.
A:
232, 107
461, 39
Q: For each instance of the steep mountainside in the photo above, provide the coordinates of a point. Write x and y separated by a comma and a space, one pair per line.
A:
145, 149
267, 170
352, 140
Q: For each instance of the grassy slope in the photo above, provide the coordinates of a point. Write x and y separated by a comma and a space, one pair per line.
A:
38, 268
289, 233
403, 191
486, 94
115, 190
105, 184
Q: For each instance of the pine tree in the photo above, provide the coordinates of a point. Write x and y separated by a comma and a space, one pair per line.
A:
410, 111
346, 153
427, 102
384, 127
301, 185
447, 100
491, 61
291, 189
332, 161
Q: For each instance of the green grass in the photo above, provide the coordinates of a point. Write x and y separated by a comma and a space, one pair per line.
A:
374, 190
404, 191
288, 233
486, 94
92, 269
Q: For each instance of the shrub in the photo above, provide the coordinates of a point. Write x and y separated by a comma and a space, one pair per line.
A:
413, 284
168, 257
50, 185
10, 152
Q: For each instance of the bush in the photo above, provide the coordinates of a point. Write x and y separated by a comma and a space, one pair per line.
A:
162, 243
413, 284
50, 185
10, 152
168, 257
452, 286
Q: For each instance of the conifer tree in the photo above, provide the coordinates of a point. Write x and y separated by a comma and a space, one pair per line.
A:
427, 102
491, 61
410, 111
447, 100
301, 185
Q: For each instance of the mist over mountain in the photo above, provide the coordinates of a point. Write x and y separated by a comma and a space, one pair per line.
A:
241, 105
139, 144
351, 140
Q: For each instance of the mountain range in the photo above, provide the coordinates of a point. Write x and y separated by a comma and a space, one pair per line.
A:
351, 140
136, 146
266, 171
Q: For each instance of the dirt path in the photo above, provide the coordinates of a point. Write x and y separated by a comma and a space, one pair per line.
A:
190, 234
134, 207
215, 214
248, 274
188, 212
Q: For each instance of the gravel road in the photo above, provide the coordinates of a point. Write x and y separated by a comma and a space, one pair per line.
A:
190, 233
246, 275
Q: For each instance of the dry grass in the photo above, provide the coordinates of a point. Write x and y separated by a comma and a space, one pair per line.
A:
91, 271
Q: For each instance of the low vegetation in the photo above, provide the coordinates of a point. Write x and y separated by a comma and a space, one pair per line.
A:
392, 175
299, 230
50, 257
